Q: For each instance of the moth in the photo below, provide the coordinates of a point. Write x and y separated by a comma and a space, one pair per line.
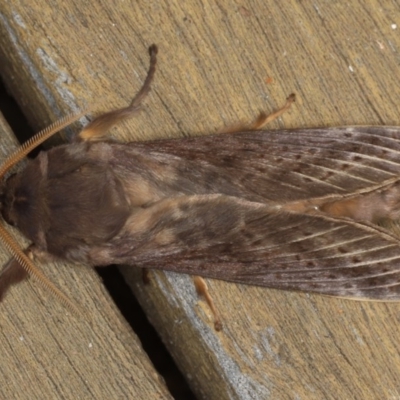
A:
314, 210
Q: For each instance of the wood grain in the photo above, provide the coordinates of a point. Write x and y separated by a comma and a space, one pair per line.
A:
219, 64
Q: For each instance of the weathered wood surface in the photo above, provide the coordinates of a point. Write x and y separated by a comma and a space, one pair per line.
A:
219, 62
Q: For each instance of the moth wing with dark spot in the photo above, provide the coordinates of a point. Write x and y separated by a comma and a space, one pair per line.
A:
280, 166
226, 238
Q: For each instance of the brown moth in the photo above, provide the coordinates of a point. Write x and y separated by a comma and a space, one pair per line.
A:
315, 210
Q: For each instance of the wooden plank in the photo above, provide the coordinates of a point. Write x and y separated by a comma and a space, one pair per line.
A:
220, 63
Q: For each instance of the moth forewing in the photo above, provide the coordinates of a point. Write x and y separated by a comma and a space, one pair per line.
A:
314, 210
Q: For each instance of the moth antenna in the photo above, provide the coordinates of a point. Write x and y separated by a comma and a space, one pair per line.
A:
36, 140
33, 271
98, 128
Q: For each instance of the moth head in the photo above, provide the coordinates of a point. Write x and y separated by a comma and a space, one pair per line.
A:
8, 211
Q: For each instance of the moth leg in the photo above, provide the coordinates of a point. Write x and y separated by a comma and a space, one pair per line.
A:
98, 128
202, 290
262, 120
12, 274
146, 276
